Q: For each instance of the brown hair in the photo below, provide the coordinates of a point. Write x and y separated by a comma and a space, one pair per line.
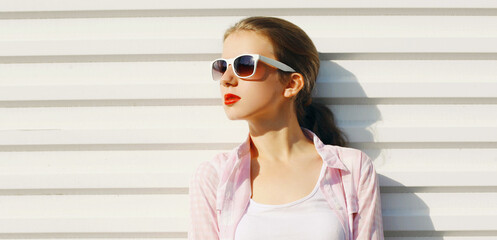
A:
293, 47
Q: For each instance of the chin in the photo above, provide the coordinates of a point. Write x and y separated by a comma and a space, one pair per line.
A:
232, 116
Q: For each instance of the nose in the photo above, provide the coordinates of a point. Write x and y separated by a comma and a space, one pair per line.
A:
229, 77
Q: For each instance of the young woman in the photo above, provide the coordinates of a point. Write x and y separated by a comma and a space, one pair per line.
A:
293, 177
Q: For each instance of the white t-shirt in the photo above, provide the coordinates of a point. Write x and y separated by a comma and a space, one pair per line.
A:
307, 218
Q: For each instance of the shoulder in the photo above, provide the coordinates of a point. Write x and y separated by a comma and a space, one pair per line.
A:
212, 168
352, 156
356, 161
362, 173
216, 168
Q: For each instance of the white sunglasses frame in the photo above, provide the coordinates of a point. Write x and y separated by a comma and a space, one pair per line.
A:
275, 63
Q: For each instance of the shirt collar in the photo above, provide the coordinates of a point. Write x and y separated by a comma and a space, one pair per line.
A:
328, 153
241, 164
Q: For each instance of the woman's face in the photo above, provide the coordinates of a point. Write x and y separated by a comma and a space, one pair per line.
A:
260, 95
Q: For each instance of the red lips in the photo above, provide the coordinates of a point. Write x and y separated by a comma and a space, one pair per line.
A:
231, 98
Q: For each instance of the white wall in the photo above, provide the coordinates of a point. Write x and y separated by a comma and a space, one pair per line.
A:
107, 107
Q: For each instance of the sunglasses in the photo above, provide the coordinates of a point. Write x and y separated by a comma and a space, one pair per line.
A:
244, 66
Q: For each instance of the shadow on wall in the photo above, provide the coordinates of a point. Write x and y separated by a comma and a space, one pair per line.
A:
354, 112
405, 214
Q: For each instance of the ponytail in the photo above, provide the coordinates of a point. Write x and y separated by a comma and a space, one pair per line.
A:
319, 119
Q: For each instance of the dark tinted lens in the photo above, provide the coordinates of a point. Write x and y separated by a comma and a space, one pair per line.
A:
244, 66
218, 69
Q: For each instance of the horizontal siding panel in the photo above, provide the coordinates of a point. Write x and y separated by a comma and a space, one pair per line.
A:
160, 169
76, 183
164, 161
210, 90
95, 206
72, 182
439, 203
438, 178
110, 47
106, 92
452, 222
160, 182
137, 117
213, 27
406, 90
148, 213
99, 214
437, 167
416, 115
103, 162
424, 134
439, 211
436, 158
408, 71
455, 223
154, 225
105, 73
158, 117
214, 46
122, 136
234, 135
89, 5
336, 71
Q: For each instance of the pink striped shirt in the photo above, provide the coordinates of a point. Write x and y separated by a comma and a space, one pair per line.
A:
220, 192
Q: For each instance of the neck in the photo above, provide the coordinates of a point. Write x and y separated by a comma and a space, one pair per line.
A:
278, 141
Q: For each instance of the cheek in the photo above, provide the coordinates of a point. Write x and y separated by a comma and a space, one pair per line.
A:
261, 92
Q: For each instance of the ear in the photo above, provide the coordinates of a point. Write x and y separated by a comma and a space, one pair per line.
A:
295, 84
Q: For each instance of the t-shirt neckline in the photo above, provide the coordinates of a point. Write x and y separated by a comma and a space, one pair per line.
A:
316, 187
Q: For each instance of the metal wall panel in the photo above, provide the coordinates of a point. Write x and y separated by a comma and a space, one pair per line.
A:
107, 108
